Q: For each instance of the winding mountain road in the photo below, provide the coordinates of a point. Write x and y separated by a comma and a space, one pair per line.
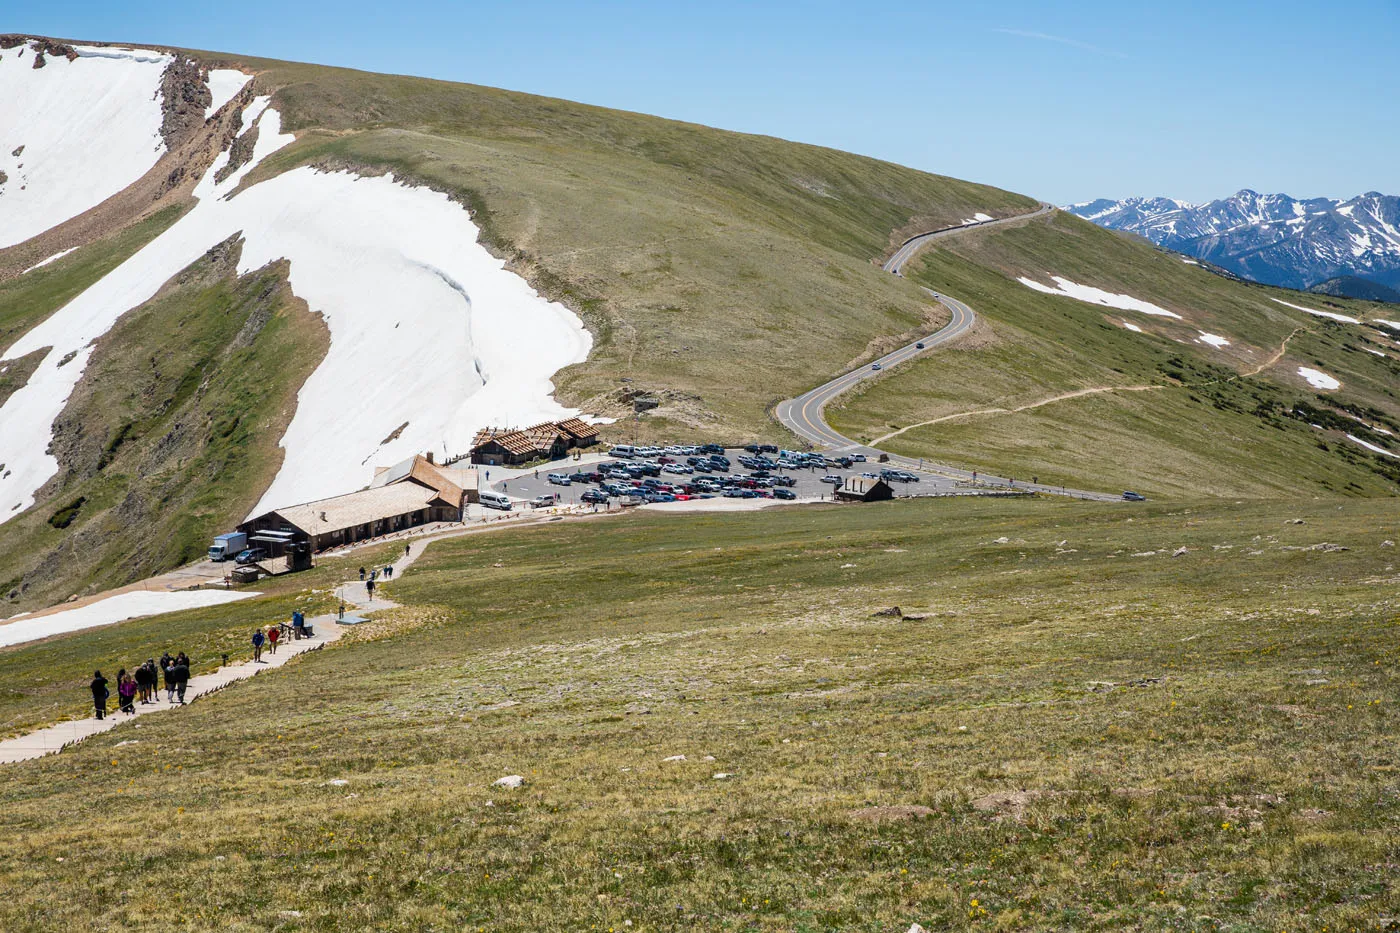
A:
805, 415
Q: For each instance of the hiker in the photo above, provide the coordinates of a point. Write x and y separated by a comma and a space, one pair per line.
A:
99, 693
298, 624
126, 693
362, 573
369, 588
142, 682
273, 633
167, 667
258, 639
388, 571
406, 549
181, 670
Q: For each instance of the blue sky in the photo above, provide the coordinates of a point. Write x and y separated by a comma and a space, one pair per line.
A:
1062, 101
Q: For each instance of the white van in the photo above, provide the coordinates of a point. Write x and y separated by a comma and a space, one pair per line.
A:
623, 450
495, 500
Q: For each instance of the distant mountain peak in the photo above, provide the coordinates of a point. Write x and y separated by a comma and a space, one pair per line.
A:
1275, 239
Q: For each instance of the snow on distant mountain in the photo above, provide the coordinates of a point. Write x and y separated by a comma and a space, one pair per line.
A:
1269, 238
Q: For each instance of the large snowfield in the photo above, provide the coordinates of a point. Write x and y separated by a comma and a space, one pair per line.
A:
1097, 296
427, 328
88, 128
111, 610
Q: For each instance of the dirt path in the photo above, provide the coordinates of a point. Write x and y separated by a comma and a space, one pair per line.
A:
1077, 393
1283, 348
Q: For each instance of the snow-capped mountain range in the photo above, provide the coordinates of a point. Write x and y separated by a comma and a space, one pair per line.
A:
1269, 238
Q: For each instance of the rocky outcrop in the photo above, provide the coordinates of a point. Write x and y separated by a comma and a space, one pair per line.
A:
185, 93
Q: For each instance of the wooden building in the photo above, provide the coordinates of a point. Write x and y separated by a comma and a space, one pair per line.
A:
404, 496
550, 440
864, 489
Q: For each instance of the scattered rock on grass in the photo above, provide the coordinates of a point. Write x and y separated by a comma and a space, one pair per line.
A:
510, 780
722, 775
891, 611
674, 758
1179, 552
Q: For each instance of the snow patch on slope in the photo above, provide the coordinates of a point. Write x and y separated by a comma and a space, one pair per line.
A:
1318, 379
54, 258
88, 128
1132, 327
426, 327
113, 609
1098, 296
1372, 447
224, 84
1328, 314
1213, 339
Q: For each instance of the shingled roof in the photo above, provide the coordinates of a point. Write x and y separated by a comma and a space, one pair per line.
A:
358, 508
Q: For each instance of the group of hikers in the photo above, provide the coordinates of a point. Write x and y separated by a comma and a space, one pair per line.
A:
274, 634
374, 575
143, 684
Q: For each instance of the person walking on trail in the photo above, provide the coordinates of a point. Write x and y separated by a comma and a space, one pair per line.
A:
369, 588
406, 549
181, 670
142, 683
258, 639
167, 665
362, 573
388, 571
99, 693
298, 623
273, 633
126, 693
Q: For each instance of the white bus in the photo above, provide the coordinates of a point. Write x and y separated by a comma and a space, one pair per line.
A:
495, 500
623, 450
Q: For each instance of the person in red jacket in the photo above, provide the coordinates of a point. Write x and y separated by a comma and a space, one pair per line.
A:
273, 633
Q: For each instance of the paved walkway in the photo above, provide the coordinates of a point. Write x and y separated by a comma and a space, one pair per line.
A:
55, 738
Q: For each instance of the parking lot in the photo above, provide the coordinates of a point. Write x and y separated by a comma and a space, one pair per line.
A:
807, 481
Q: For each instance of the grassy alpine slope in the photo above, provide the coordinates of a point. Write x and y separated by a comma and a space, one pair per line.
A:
722, 271
173, 431
1080, 731
718, 271
1181, 417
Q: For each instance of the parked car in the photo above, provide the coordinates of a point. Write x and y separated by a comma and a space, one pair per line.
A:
767, 448
559, 479
711, 449
833, 479
781, 493
784, 481
858, 458
544, 500
250, 556
1134, 497
594, 495
582, 477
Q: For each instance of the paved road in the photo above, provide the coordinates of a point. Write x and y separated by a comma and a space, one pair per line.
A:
912, 245
805, 416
